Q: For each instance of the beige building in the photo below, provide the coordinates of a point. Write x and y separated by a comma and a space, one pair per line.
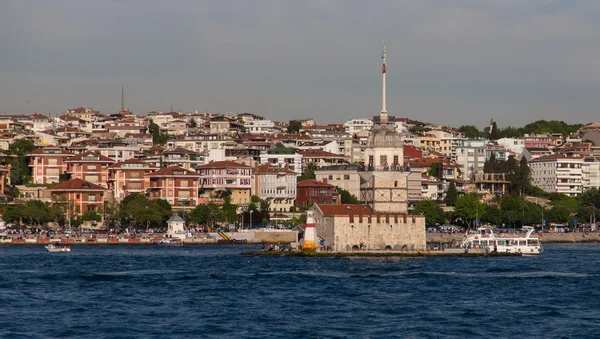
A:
343, 176
353, 227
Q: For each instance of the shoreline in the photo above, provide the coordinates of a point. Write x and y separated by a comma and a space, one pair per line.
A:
546, 238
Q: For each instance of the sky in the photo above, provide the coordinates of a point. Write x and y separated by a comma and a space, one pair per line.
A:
450, 62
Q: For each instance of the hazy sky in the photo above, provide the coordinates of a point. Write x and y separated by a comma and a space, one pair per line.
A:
449, 61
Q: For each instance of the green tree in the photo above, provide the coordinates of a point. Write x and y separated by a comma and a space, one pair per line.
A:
470, 131
136, 209
193, 123
434, 214
346, 197
35, 212
492, 216
308, 172
469, 208
294, 126
91, 216
158, 137
451, 194
21, 147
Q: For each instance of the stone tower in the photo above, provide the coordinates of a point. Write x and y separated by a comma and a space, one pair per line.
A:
384, 184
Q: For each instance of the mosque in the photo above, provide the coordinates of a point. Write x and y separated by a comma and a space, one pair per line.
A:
383, 221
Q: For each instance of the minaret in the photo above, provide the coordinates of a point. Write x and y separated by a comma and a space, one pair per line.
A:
383, 117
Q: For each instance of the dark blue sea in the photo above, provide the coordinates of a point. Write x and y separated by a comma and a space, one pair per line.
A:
213, 291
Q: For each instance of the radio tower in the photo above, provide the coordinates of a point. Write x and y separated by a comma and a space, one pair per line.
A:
122, 98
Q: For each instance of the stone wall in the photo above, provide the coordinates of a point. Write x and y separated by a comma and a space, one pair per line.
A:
342, 233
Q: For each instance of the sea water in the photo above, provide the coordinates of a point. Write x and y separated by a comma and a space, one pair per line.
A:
213, 291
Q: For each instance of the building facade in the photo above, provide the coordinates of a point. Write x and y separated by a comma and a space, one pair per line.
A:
176, 185
226, 178
558, 174
47, 164
277, 186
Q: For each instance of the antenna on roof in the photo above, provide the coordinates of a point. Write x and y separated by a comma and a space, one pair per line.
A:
122, 98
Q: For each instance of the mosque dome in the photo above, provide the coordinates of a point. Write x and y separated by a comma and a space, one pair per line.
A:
384, 135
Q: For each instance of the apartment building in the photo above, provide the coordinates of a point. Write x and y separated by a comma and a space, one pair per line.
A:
222, 178
91, 167
275, 185
79, 196
343, 176
176, 185
128, 177
557, 174
470, 155
47, 164
282, 157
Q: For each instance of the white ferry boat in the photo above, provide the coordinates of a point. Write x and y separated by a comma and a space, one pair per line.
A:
486, 239
57, 248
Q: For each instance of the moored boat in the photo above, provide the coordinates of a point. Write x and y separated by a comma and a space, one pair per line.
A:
57, 248
486, 239
170, 242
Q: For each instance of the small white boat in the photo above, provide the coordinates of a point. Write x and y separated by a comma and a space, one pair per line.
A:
57, 248
486, 239
170, 242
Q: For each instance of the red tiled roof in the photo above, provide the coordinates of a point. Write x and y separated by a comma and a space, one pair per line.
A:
319, 154
132, 161
76, 185
169, 172
552, 157
312, 183
267, 169
40, 151
223, 164
101, 158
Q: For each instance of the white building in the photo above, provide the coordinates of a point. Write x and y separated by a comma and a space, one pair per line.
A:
557, 174
260, 126
514, 145
357, 125
275, 185
590, 168
282, 157
470, 154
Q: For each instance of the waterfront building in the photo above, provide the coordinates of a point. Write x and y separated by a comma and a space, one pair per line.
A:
343, 176
129, 177
382, 223
176, 185
79, 196
226, 178
276, 185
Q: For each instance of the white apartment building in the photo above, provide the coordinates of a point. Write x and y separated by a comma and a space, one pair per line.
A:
470, 154
357, 125
277, 186
514, 145
260, 126
557, 174
590, 168
282, 157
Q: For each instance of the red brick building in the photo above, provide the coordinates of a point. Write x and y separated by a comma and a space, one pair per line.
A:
81, 196
91, 167
176, 185
311, 192
48, 163
128, 177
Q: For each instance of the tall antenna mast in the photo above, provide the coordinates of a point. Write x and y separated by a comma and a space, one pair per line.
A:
122, 98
